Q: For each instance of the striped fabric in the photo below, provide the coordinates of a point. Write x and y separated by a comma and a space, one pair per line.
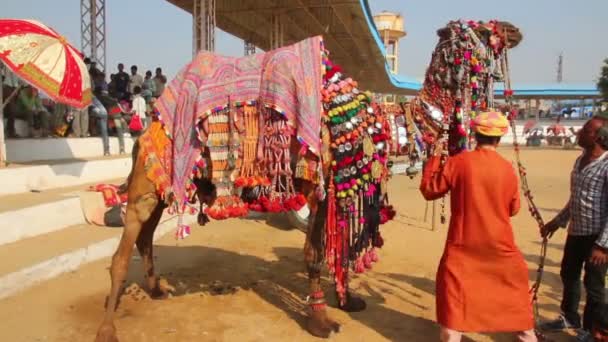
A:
288, 79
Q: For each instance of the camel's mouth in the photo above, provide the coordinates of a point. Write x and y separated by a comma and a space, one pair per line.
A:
510, 34
202, 219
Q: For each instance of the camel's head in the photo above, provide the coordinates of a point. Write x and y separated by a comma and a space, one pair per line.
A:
468, 60
470, 54
508, 33
205, 194
493, 35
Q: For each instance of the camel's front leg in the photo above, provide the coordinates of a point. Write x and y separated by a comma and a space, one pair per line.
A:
318, 323
145, 245
138, 212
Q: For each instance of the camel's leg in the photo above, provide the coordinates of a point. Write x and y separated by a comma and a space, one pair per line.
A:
138, 212
318, 323
141, 204
145, 246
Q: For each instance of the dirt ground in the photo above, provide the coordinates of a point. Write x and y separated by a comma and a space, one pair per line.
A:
244, 280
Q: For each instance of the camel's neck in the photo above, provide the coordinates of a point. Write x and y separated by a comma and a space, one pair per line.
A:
439, 88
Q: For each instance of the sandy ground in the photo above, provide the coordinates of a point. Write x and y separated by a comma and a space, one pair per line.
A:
244, 280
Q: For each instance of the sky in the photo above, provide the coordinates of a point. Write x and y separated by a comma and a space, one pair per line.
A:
153, 33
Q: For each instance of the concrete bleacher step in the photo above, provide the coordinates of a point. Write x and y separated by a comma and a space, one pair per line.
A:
26, 150
43, 232
43, 175
30, 214
32, 260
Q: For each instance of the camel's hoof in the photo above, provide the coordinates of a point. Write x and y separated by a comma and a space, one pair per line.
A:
162, 289
332, 325
320, 326
321, 329
353, 304
159, 294
106, 333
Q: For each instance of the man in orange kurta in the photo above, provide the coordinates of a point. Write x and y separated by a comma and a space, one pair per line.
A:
482, 280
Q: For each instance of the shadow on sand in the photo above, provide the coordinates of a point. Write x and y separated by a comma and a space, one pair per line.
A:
282, 283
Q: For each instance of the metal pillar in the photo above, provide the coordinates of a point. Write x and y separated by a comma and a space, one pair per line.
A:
93, 31
249, 48
276, 31
203, 26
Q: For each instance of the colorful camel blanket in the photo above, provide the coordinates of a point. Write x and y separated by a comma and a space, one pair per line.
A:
288, 79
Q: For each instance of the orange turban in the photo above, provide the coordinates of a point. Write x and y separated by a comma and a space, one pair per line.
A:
491, 124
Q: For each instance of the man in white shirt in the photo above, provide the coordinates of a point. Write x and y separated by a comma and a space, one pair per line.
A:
139, 106
136, 80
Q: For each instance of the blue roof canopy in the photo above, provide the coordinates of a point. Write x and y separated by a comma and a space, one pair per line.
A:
549, 90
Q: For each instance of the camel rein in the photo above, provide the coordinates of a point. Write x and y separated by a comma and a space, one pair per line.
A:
533, 209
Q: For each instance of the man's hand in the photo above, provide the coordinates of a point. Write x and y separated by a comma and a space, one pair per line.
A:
438, 149
599, 256
549, 228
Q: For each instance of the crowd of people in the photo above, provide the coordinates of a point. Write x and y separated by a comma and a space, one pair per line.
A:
122, 105
126, 102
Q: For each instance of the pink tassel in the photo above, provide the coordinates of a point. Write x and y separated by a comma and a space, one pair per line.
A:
367, 261
359, 267
183, 230
374, 255
370, 190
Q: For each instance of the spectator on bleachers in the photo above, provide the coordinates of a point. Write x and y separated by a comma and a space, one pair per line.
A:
80, 123
106, 109
112, 85
160, 81
100, 81
135, 80
94, 72
28, 106
149, 87
121, 83
139, 106
101, 115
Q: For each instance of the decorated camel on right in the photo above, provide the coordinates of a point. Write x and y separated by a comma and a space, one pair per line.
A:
279, 130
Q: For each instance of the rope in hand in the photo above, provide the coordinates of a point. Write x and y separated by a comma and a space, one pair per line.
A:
525, 189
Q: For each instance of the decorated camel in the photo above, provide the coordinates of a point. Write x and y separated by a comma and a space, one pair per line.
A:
269, 132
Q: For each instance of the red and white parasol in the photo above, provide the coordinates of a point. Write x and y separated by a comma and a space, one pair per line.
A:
43, 58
